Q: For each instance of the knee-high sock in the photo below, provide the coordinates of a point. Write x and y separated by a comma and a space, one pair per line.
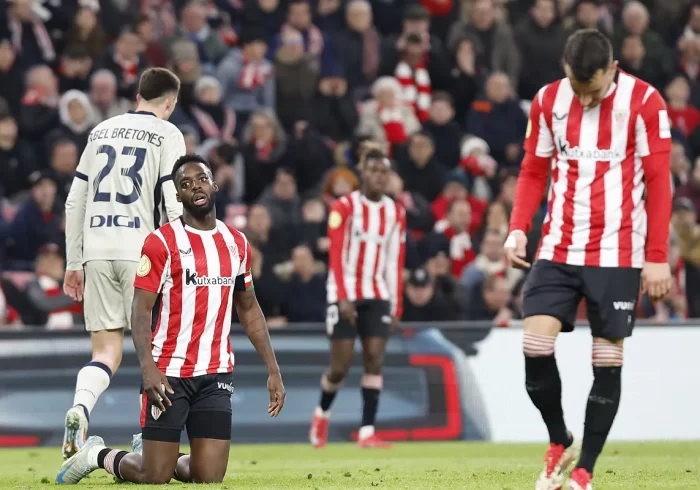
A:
371, 388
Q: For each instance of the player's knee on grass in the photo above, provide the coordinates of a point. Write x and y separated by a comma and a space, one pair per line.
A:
209, 459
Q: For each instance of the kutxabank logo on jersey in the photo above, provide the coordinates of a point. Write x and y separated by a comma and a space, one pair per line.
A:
567, 152
194, 279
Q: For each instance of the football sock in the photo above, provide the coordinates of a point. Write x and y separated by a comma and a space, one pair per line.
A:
93, 380
543, 384
371, 387
109, 460
601, 409
328, 392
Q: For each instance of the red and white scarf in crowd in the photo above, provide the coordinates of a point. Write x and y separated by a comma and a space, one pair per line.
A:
209, 126
42, 38
393, 126
130, 69
416, 88
254, 74
313, 38
461, 251
264, 149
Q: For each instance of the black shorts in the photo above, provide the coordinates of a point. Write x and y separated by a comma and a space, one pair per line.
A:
202, 404
373, 320
611, 293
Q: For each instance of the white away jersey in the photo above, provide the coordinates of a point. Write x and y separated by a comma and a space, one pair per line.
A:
120, 188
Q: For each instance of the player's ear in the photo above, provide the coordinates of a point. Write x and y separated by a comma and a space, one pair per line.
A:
216, 187
138, 99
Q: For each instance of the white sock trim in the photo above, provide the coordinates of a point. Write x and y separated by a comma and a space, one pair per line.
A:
91, 383
324, 414
366, 431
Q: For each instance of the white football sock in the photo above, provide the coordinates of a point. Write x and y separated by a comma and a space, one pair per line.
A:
366, 431
92, 382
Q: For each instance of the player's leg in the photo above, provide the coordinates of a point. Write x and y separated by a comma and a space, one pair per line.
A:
374, 325
342, 339
551, 297
105, 320
611, 297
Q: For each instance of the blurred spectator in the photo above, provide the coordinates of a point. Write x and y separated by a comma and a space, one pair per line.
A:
335, 113
496, 219
153, 51
685, 225
329, 15
684, 117
422, 303
477, 162
11, 75
75, 68
308, 154
653, 62
491, 261
247, 76
451, 235
417, 59
268, 14
37, 222
191, 136
498, 49
115, 14
419, 169
213, 120
313, 230
466, 75
267, 289
282, 201
228, 169
305, 292
29, 34
17, 160
77, 119
443, 128
680, 164
39, 112
385, 118
419, 217
491, 301
541, 40
588, 14
439, 267
64, 160
274, 245
357, 48
45, 294
264, 148
339, 182
124, 60
103, 96
194, 27
186, 65
313, 43
456, 189
9, 317
498, 119
86, 32
691, 189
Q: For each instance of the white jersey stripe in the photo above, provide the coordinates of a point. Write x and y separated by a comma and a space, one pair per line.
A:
213, 303
371, 245
188, 303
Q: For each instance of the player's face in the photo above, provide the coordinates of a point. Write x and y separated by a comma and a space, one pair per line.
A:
375, 175
591, 93
196, 189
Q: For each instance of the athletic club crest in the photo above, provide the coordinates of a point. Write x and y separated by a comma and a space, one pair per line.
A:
155, 412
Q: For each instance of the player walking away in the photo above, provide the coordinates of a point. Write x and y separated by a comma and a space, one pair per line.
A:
116, 200
200, 266
608, 137
367, 230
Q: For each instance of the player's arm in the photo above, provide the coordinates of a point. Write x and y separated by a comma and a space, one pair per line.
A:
150, 276
253, 322
396, 259
653, 139
337, 234
172, 149
76, 205
532, 181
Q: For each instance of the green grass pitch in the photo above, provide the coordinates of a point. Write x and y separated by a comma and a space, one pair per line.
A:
414, 466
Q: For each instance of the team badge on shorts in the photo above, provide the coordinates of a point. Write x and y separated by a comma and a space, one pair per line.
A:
144, 266
334, 220
155, 412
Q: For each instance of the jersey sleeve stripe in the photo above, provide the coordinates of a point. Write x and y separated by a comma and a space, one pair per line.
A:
81, 176
164, 179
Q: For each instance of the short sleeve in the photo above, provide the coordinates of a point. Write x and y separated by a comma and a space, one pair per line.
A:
653, 128
244, 278
153, 265
538, 137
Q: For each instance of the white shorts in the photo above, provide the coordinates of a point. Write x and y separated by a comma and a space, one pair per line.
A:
109, 291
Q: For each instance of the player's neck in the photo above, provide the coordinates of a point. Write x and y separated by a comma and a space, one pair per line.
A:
372, 196
155, 110
205, 223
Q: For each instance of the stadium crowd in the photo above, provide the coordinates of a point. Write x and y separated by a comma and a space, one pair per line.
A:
279, 94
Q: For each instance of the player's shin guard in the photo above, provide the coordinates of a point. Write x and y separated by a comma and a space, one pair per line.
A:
109, 460
543, 384
328, 391
603, 402
371, 387
93, 380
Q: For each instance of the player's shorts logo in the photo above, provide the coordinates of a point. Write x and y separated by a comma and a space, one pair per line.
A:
155, 412
334, 220
144, 266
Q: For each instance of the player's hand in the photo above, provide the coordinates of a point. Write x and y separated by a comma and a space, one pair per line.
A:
394, 324
656, 280
156, 387
348, 311
516, 250
277, 394
74, 284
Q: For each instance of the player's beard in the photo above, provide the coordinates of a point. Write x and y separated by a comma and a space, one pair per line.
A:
199, 212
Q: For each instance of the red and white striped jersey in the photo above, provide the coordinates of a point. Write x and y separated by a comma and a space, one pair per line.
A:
596, 214
367, 251
196, 272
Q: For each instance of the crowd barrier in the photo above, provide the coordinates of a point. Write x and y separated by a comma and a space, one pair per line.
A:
452, 381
